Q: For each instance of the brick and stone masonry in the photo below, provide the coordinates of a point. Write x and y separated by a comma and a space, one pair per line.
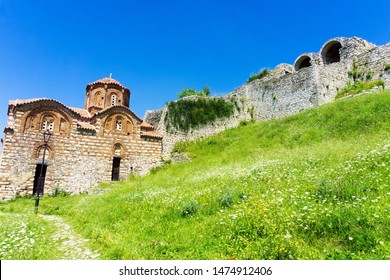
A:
104, 141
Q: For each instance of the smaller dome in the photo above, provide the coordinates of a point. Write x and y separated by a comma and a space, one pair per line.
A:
106, 81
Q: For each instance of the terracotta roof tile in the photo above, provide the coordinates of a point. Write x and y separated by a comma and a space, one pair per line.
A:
151, 134
85, 125
82, 112
117, 106
147, 125
26, 101
106, 81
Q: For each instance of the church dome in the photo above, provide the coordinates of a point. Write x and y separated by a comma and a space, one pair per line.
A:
105, 93
106, 81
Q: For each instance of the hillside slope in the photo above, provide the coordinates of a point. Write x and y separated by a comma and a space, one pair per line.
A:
312, 186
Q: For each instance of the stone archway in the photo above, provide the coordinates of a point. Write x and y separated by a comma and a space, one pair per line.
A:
302, 62
331, 52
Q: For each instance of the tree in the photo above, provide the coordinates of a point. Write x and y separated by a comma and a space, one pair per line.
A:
206, 91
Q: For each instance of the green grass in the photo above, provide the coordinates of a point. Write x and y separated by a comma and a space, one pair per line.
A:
25, 236
310, 186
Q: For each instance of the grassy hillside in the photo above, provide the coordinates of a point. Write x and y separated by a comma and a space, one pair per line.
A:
312, 186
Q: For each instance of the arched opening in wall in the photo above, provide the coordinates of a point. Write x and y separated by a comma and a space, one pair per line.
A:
39, 178
303, 62
331, 52
116, 164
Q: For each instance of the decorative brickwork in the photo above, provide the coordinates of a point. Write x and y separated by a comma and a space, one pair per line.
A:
102, 142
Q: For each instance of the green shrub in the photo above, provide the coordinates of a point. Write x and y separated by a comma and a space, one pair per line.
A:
227, 200
189, 208
261, 74
244, 122
59, 192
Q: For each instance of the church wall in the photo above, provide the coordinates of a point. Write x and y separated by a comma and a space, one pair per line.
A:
76, 160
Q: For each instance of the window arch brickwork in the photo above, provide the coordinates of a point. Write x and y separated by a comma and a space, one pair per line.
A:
118, 123
45, 118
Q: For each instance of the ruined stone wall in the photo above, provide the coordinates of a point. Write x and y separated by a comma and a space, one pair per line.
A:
75, 162
376, 59
284, 96
315, 79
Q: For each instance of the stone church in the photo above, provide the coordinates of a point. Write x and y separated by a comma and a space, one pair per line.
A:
104, 141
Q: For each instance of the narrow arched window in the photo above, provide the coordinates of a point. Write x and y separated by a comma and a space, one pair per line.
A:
98, 99
113, 100
48, 123
118, 124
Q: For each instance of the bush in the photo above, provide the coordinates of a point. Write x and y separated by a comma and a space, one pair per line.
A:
59, 192
189, 208
227, 200
259, 75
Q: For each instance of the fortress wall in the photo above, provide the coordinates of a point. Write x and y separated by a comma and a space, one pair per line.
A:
284, 96
376, 59
316, 80
330, 79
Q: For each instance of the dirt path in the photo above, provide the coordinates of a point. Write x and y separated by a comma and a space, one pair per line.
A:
74, 247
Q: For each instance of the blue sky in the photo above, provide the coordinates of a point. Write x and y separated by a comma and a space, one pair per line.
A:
55, 48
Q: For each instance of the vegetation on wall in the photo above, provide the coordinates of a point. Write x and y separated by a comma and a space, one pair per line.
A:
358, 87
192, 92
261, 74
361, 81
188, 113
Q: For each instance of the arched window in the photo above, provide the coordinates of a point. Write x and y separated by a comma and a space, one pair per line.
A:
117, 150
39, 152
118, 124
98, 99
48, 123
113, 99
